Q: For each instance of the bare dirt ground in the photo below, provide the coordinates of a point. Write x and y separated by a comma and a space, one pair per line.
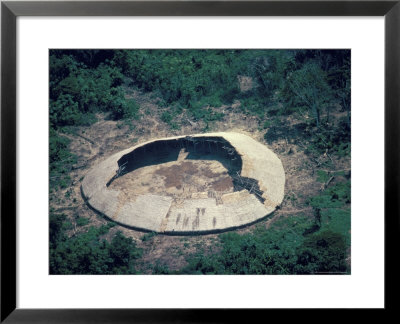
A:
105, 137
178, 179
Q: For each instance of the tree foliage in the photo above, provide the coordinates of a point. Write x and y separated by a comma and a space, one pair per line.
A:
87, 253
83, 82
281, 250
308, 87
294, 245
78, 91
197, 84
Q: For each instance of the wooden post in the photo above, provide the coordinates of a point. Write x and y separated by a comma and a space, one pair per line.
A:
251, 188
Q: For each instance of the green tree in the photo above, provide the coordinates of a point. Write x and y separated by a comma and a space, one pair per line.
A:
309, 87
122, 251
323, 252
271, 69
88, 253
342, 85
55, 228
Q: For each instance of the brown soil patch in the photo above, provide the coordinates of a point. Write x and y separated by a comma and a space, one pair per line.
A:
179, 179
209, 174
175, 174
245, 83
223, 184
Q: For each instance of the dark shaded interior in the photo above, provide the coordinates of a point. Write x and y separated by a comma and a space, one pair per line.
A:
198, 148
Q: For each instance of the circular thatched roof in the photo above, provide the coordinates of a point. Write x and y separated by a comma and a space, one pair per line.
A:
257, 175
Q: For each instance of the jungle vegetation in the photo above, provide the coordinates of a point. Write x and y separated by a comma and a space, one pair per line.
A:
84, 83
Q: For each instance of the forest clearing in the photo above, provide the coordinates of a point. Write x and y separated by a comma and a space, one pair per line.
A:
295, 102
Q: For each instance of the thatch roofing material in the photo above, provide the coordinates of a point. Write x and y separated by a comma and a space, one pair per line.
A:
200, 213
259, 163
204, 215
146, 212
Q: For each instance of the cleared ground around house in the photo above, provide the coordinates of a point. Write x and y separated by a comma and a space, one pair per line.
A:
106, 137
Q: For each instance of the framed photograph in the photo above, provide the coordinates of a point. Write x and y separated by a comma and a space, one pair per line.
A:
163, 158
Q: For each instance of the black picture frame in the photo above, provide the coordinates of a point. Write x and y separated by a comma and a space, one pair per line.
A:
10, 10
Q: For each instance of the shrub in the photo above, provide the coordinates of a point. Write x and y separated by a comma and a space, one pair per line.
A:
81, 221
159, 268
78, 91
324, 252
86, 253
148, 236
60, 160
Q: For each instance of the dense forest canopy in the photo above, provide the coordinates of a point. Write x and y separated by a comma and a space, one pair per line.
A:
311, 85
84, 82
